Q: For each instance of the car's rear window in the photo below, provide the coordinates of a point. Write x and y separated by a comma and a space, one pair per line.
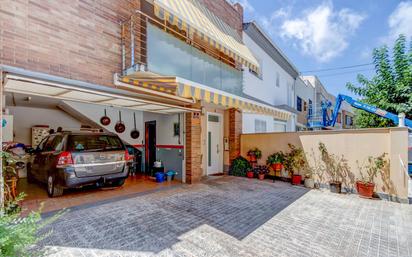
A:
94, 143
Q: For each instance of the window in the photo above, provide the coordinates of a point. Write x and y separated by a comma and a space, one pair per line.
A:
279, 126
94, 143
310, 107
277, 79
298, 103
260, 126
349, 120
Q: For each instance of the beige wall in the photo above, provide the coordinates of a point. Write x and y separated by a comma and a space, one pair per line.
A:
354, 145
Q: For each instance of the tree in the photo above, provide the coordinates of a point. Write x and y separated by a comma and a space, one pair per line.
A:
390, 88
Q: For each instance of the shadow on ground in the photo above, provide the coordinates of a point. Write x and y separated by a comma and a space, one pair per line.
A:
154, 222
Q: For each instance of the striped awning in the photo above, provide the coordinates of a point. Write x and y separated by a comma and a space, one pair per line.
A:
182, 88
194, 18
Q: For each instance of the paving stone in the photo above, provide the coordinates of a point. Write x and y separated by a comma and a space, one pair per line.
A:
235, 217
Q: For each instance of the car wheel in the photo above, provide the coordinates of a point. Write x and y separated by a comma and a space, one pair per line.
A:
30, 178
117, 182
53, 190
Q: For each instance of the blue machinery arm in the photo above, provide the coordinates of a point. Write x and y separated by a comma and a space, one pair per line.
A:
362, 106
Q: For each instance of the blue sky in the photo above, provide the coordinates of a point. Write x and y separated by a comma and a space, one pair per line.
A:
318, 34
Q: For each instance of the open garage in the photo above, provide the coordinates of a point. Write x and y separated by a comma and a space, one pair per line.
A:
153, 133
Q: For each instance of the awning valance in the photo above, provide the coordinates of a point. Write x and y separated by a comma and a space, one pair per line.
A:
194, 18
191, 90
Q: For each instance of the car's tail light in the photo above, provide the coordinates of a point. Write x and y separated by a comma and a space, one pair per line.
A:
127, 157
65, 158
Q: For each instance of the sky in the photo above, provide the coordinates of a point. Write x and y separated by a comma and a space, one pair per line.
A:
325, 34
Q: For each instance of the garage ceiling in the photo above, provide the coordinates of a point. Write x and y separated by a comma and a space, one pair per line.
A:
29, 86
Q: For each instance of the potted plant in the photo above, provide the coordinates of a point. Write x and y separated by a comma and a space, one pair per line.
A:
366, 185
294, 162
239, 167
254, 154
261, 171
275, 160
333, 167
309, 181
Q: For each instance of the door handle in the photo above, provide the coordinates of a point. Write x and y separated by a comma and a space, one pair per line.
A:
217, 148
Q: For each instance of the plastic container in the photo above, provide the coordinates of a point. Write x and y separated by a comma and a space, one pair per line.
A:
170, 175
160, 177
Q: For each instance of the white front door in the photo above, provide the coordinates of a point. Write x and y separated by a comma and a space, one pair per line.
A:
214, 144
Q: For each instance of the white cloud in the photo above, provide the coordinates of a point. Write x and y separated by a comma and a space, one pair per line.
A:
320, 32
247, 7
400, 21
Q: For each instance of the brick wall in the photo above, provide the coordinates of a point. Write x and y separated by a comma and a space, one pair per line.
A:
77, 39
232, 15
235, 130
193, 149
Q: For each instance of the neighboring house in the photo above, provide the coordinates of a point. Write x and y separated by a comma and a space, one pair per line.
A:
174, 66
305, 97
345, 117
273, 85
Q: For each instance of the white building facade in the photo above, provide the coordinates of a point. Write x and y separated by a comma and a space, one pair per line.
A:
274, 85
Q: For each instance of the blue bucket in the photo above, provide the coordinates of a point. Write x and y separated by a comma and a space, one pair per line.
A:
160, 177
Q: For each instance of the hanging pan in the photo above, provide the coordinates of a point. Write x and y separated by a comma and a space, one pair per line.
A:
134, 133
105, 120
120, 127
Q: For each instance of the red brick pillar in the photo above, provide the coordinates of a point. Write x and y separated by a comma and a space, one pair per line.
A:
193, 149
235, 129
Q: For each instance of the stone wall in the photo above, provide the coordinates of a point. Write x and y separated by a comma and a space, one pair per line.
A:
194, 169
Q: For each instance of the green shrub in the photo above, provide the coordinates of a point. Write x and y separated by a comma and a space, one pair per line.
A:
19, 234
239, 167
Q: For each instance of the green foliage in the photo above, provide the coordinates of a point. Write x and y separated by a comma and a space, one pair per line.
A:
294, 159
277, 157
19, 234
391, 87
255, 152
240, 166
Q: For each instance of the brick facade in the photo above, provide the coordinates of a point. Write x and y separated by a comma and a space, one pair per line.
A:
235, 129
77, 39
232, 15
193, 149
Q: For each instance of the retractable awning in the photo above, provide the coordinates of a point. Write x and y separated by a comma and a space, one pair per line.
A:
194, 18
191, 90
90, 93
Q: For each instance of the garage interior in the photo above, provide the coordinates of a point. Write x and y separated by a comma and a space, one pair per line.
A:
32, 108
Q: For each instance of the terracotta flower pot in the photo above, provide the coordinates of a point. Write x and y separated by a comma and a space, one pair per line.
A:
277, 166
252, 158
250, 174
261, 176
296, 179
365, 189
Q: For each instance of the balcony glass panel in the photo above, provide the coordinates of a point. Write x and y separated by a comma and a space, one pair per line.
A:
170, 56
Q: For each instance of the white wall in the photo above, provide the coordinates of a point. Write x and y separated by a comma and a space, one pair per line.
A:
248, 123
265, 88
304, 91
27, 117
164, 123
165, 128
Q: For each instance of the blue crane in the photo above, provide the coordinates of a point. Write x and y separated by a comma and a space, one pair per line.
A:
331, 121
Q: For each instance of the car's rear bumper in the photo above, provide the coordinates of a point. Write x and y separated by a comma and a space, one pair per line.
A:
67, 178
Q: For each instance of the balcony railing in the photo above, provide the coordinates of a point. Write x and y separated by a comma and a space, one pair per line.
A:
134, 40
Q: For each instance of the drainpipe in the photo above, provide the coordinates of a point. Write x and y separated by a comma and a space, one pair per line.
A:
1, 141
123, 50
131, 44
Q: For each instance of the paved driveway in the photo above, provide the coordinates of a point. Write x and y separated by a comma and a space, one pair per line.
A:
235, 217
